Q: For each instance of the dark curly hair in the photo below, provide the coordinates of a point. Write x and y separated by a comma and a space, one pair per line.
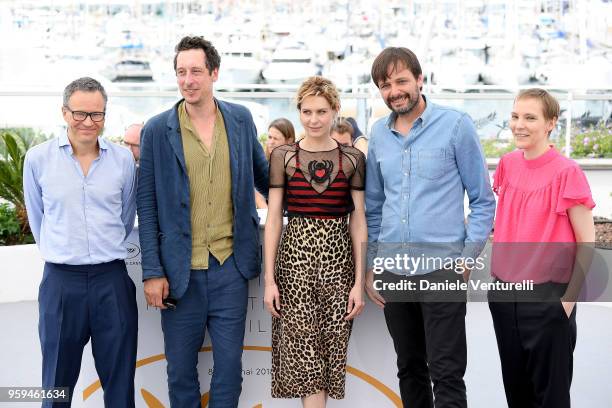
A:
213, 60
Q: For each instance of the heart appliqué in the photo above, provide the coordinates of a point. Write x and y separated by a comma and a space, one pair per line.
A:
320, 170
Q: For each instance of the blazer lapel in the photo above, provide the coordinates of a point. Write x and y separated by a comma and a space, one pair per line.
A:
233, 127
174, 136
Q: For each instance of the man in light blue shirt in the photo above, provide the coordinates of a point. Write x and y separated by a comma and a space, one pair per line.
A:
80, 197
422, 159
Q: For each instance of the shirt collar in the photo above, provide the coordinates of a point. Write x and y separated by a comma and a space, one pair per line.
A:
102, 143
184, 119
422, 120
542, 160
183, 115
64, 141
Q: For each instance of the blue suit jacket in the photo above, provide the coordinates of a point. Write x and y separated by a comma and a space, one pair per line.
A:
164, 214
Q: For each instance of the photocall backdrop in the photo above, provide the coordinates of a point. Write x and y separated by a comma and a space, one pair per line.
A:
371, 370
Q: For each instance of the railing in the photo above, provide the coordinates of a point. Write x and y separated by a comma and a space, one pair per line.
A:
489, 106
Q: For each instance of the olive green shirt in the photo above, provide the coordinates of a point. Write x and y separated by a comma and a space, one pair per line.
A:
210, 191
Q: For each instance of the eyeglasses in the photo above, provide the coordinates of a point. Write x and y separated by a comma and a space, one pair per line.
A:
80, 116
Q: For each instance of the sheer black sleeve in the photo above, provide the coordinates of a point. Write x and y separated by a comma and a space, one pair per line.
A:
278, 166
357, 161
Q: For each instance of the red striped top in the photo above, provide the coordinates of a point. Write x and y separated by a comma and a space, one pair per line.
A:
317, 184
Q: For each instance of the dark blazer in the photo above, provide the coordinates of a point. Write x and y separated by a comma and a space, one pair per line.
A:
164, 215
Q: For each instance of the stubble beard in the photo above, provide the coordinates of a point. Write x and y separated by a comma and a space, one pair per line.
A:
411, 104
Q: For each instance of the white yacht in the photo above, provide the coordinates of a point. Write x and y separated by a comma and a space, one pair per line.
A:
240, 64
135, 69
290, 66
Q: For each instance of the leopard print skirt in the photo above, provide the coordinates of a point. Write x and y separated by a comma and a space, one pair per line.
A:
314, 272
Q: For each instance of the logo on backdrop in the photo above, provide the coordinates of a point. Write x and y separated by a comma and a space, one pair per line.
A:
133, 250
152, 395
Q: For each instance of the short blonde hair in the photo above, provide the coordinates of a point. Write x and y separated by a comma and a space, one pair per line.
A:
319, 86
550, 105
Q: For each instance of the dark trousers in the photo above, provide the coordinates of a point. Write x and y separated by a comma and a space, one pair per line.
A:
216, 299
536, 343
429, 339
79, 302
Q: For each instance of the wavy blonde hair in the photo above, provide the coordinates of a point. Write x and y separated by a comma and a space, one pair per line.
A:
319, 86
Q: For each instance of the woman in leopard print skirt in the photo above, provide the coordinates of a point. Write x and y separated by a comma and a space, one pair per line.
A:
314, 288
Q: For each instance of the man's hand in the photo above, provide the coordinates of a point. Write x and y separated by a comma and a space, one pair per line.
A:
373, 293
466, 271
155, 291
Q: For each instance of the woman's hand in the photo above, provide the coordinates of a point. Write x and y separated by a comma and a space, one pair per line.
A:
568, 307
272, 299
355, 303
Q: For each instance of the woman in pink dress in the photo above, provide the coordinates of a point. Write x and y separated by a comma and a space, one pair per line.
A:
544, 209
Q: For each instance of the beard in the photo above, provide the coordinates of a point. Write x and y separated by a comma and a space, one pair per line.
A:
412, 99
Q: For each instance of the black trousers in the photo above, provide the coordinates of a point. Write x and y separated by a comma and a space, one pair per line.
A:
429, 339
536, 343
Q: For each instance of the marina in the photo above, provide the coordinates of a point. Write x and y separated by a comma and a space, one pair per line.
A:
486, 47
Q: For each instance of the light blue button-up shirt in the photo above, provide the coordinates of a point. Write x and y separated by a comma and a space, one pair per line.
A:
77, 219
415, 184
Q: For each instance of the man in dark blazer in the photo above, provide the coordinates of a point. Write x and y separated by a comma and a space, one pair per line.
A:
199, 164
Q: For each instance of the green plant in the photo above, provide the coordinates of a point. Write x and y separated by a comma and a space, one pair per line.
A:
27, 137
263, 138
10, 230
494, 148
595, 142
14, 143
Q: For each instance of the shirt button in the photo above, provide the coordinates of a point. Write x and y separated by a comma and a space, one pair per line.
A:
183, 205
209, 203
405, 173
185, 234
404, 220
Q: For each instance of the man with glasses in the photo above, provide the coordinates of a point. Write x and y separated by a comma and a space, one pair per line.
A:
80, 197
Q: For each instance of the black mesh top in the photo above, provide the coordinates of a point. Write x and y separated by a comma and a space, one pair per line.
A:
317, 184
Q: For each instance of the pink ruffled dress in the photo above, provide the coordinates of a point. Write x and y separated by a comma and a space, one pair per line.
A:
534, 196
